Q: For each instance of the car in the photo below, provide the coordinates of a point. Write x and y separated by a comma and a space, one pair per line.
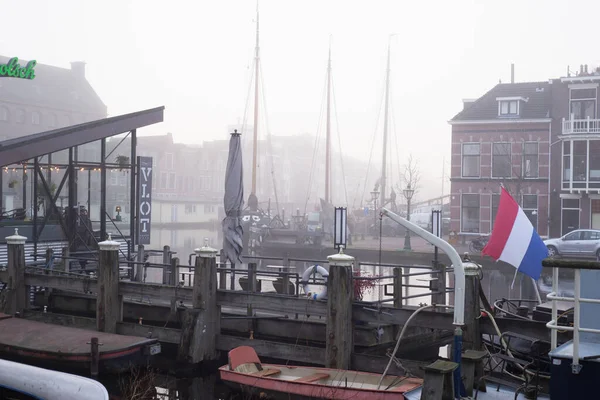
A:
578, 243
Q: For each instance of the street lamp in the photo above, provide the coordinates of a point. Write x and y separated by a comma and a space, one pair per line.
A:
374, 197
408, 194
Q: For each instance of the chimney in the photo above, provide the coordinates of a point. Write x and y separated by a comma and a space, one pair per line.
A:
580, 69
586, 70
512, 73
78, 69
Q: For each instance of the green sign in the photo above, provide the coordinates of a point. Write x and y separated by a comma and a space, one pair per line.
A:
12, 69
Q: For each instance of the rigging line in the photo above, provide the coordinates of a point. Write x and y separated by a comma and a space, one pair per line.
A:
269, 142
337, 126
247, 102
395, 135
371, 154
316, 146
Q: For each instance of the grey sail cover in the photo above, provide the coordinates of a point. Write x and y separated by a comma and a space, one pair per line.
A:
234, 202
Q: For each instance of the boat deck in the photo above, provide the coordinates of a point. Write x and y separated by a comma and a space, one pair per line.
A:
18, 333
504, 393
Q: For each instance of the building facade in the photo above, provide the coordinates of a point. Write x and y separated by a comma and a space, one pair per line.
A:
501, 139
575, 194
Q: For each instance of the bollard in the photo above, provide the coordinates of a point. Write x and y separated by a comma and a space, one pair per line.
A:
95, 359
202, 323
340, 293
166, 261
472, 330
108, 300
16, 294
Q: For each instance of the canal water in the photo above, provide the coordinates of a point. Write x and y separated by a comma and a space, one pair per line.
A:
495, 283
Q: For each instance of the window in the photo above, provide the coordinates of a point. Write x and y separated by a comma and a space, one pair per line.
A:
163, 180
189, 184
169, 161
209, 209
190, 208
579, 160
180, 183
114, 177
469, 216
591, 235
495, 205
4, 114
122, 178
573, 236
583, 104
470, 160
501, 160
530, 160
20, 116
566, 161
570, 215
172, 181
509, 108
36, 118
530, 208
594, 160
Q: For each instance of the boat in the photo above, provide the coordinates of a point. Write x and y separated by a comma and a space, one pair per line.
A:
66, 348
21, 381
246, 373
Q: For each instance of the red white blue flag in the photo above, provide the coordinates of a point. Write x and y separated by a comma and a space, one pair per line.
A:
514, 240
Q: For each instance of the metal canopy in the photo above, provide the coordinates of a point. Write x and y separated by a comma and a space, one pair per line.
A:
39, 144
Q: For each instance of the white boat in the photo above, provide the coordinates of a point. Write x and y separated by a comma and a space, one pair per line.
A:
28, 382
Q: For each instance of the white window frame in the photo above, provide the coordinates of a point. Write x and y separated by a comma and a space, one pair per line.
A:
508, 102
537, 173
492, 161
34, 120
583, 87
462, 155
461, 213
536, 209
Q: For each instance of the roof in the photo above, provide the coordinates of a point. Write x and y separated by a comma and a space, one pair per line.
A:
53, 87
485, 108
27, 147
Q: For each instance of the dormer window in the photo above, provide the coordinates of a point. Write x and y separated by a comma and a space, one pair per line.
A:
509, 106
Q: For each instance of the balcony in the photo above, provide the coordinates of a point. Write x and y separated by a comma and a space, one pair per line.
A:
580, 126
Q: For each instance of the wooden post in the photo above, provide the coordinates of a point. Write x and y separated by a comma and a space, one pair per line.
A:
202, 323
139, 268
251, 288
438, 383
406, 271
108, 301
66, 262
95, 359
166, 261
222, 272
397, 287
16, 294
49, 266
471, 330
340, 335
174, 272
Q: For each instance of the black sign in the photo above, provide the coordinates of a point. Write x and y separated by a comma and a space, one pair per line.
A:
144, 199
340, 230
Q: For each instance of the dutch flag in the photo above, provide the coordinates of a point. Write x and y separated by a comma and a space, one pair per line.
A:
514, 240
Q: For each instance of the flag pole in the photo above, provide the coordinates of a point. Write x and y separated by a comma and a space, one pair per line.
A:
512, 285
537, 291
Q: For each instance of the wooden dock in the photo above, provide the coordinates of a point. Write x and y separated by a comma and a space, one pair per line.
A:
207, 318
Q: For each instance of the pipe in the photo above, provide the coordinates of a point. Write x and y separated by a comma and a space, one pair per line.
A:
459, 271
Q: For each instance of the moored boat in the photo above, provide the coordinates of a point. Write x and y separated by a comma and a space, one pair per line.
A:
66, 348
245, 372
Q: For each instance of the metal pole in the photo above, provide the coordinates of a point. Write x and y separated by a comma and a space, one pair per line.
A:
328, 137
102, 189
255, 144
407, 235
385, 127
35, 203
132, 200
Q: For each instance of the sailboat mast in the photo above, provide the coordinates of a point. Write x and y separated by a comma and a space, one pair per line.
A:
385, 129
328, 137
255, 143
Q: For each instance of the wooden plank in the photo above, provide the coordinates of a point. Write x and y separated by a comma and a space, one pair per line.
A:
377, 364
155, 292
277, 303
389, 315
61, 319
167, 335
61, 282
281, 351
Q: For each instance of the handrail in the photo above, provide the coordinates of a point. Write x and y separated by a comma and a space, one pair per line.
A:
576, 299
459, 272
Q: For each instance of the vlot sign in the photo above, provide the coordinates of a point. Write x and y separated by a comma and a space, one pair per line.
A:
12, 69
144, 199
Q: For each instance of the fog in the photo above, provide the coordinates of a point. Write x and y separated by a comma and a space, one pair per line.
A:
195, 57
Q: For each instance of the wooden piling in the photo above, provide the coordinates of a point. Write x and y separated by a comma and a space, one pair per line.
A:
202, 323
166, 261
174, 272
222, 273
49, 267
95, 358
109, 303
139, 267
397, 287
66, 262
15, 299
340, 293
472, 330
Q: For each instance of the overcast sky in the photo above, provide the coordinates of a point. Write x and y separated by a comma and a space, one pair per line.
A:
194, 57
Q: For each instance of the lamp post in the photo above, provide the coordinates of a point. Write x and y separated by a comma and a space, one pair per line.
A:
408, 194
374, 197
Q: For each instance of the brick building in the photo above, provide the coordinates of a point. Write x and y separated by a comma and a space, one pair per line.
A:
502, 138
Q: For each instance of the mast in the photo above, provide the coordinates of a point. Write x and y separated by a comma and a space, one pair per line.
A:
255, 143
328, 137
385, 128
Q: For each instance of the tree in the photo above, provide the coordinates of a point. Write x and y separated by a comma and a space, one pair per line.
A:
411, 175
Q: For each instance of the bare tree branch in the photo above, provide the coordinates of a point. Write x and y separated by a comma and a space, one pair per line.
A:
412, 174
